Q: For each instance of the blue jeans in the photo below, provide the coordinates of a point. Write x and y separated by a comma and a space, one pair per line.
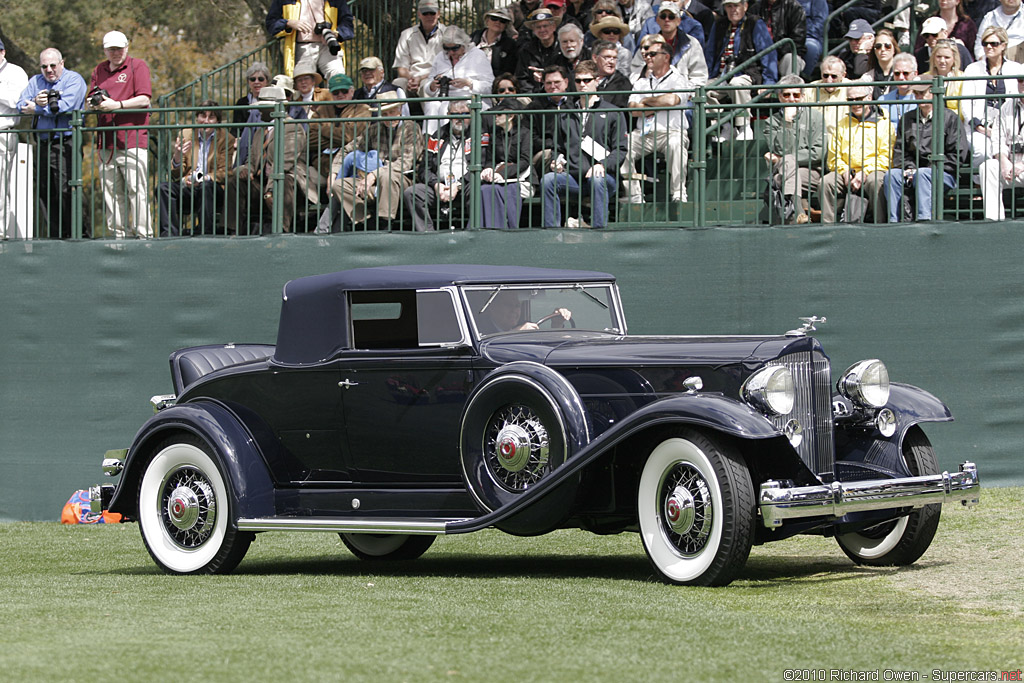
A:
555, 185
922, 182
812, 56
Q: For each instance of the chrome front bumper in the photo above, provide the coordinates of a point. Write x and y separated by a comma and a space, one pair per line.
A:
779, 504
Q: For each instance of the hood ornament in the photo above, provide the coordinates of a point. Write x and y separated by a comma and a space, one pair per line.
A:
808, 326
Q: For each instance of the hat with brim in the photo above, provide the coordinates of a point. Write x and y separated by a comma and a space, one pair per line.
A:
114, 39
732, 2
539, 15
920, 85
273, 93
386, 101
371, 63
339, 82
306, 70
933, 26
858, 29
285, 83
857, 92
501, 13
672, 7
510, 104
610, 21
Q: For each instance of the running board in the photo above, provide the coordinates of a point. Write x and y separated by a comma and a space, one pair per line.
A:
430, 526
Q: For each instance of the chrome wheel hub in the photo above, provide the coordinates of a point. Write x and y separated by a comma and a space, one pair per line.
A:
513, 446
687, 510
679, 510
183, 507
516, 447
188, 507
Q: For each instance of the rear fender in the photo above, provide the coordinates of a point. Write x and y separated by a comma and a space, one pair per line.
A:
233, 447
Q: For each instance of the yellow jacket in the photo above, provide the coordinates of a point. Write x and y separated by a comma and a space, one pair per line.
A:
281, 11
861, 145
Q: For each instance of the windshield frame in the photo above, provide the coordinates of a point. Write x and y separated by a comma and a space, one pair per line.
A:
586, 290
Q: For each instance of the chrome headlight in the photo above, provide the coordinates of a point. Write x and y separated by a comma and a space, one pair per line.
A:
770, 390
866, 383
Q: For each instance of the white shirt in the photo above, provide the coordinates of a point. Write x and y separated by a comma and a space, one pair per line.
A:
474, 65
414, 52
1013, 23
13, 80
672, 81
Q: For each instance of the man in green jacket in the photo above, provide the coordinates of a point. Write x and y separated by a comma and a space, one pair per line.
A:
796, 149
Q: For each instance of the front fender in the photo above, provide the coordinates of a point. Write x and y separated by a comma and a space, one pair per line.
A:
233, 447
913, 405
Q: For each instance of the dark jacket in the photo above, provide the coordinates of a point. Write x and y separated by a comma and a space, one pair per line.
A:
913, 144
754, 37
785, 19
508, 152
362, 93
504, 56
703, 14
545, 122
617, 81
437, 147
532, 53
605, 126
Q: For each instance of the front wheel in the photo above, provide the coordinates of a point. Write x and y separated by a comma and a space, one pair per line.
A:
185, 513
387, 546
696, 510
901, 541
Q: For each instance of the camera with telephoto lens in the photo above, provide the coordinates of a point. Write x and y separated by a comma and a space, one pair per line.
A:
330, 37
96, 96
444, 84
52, 100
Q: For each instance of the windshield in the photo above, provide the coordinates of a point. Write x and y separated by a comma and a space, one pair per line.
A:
517, 308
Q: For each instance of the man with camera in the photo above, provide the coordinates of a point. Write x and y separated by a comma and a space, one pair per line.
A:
50, 97
118, 84
312, 32
12, 81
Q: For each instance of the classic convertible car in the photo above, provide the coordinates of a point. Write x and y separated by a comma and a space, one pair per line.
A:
407, 402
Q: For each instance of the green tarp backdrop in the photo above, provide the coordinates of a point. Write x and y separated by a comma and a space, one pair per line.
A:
86, 328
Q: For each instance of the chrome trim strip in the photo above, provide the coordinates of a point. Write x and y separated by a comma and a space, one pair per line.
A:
837, 499
355, 525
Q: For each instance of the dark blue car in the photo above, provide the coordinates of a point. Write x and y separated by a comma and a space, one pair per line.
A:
404, 403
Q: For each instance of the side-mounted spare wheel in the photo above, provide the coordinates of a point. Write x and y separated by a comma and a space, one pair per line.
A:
186, 510
901, 541
696, 509
518, 428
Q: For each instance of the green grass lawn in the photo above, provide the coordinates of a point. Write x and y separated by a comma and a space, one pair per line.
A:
86, 603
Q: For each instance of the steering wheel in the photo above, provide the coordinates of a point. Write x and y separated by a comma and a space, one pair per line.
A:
552, 316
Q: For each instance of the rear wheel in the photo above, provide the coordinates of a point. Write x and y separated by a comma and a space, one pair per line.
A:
185, 511
696, 510
386, 546
901, 541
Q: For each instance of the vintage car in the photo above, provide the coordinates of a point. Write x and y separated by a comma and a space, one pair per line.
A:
401, 403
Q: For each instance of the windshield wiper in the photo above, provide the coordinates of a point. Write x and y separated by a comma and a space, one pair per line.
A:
489, 300
579, 288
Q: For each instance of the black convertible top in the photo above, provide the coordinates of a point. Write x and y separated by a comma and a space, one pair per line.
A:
314, 321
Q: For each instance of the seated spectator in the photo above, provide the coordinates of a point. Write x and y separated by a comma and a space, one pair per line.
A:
460, 70
371, 74
256, 76
495, 40
663, 130
200, 161
959, 26
858, 157
785, 19
860, 39
704, 14
609, 78
550, 106
880, 63
977, 9
387, 154
734, 40
904, 71
675, 26
441, 196
911, 156
829, 91
796, 150
520, 14
417, 47
507, 84
327, 138
866, 11
636, 13
611, 30
816, 12
1006, 16
981, 113
538, 51
307, 91
934, 30
505, 178
591, 147
294, 22
562, 16
945, 61
580, 10
1006, 169
570, 47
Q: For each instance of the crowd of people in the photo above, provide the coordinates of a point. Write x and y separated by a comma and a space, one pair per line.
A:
571, 99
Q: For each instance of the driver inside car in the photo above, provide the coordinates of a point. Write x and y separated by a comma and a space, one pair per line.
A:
505, 311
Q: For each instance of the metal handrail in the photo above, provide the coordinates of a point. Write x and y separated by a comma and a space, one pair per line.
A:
878, 23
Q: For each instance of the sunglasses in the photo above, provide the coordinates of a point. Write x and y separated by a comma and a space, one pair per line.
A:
584, 81
428, 13
611, 32
830, 77
257, 79
654, 53
883, 46
906, 74
452, 48
666, 15
500, 20
506, 90
989, 43
44, 67
343, 91
603, 11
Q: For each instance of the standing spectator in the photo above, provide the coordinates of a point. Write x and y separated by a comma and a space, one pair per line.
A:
904, 71
829, 91
460, 70
570, 47
880, 63
199, 165
52, 118
123, 153
959, 26
417, 47
13, 80
785, 19
1006, 169
796, 149
441, 196
858, 156
1008, 16
912, 152
609, 78
299, 23
734, 40
934, 30
663, 130
505, 178
591, 147
495, 40
537, 52
816, 12
982, 111
396, 145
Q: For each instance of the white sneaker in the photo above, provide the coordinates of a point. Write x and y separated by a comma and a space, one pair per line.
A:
572, 223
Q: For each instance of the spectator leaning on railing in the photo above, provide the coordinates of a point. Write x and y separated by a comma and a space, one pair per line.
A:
13, 80
120, 92
50, 97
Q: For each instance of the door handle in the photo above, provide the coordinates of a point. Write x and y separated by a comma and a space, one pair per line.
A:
347, 384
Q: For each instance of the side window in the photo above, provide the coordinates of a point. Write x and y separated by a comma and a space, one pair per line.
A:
403, 319
438, 323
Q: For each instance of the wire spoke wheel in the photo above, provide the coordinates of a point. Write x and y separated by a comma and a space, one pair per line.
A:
517, 447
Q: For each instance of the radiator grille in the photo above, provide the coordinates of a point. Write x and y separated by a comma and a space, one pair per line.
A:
813, 409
